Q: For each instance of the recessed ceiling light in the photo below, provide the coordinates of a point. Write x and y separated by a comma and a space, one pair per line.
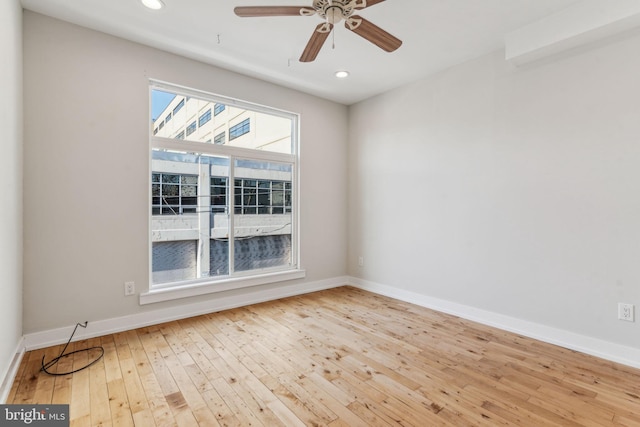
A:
153, 4
342, 74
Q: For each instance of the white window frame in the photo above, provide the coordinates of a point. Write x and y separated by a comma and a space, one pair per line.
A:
236, 280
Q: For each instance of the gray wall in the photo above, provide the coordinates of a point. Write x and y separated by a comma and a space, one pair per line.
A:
87, 170
11, 178
515, 191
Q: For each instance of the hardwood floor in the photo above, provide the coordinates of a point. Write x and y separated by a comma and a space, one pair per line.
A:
341, 357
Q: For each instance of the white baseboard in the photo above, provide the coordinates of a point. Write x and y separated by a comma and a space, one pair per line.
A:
108, 326
12, 370
625, 355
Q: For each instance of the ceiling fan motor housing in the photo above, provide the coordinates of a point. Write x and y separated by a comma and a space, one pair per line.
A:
334, 11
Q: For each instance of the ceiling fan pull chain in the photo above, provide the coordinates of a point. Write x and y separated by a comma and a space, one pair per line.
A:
333, 40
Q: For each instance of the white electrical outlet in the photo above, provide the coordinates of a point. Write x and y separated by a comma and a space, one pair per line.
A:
626, 312
129, 288
361, 261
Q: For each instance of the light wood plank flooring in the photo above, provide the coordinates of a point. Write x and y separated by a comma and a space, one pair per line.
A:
341, 357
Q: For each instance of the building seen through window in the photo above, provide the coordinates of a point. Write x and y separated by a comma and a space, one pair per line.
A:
217, 213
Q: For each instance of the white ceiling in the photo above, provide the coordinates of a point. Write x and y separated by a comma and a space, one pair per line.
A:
436, 34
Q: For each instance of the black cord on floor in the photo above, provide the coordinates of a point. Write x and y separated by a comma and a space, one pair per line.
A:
46, 366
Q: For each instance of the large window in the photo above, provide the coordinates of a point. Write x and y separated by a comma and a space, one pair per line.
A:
223, 213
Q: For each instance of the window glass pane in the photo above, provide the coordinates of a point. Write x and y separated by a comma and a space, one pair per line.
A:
170, 190
219, 194
178, 107
183, 218
218, 257
217, 109
173, 261
277, 198
219, 138
204, 118
168, 210
249, 197
264, 199
262, 239
189, 179
242, 128
218, 191
170, 178
195, 119
191, 128
188, 190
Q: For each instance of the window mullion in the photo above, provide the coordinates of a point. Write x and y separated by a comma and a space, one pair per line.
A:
232, 203
162, 143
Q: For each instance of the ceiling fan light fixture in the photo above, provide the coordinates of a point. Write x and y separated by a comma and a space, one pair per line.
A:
342, 74
334, 14
153, 4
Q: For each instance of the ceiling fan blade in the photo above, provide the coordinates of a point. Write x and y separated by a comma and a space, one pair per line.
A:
316, 41
256, 11
373, 33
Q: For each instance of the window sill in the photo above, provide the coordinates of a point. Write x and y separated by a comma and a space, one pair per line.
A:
186, 291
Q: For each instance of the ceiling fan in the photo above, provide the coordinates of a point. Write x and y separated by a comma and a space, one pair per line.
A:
332, 11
